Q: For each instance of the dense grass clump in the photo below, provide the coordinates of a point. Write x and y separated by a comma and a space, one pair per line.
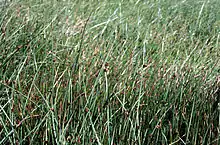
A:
110, 72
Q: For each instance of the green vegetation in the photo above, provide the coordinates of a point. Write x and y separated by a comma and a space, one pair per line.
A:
110, 72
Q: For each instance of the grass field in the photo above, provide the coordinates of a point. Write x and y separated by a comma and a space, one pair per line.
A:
110, 72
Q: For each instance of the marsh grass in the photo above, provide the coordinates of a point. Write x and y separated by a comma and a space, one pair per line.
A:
109, 72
